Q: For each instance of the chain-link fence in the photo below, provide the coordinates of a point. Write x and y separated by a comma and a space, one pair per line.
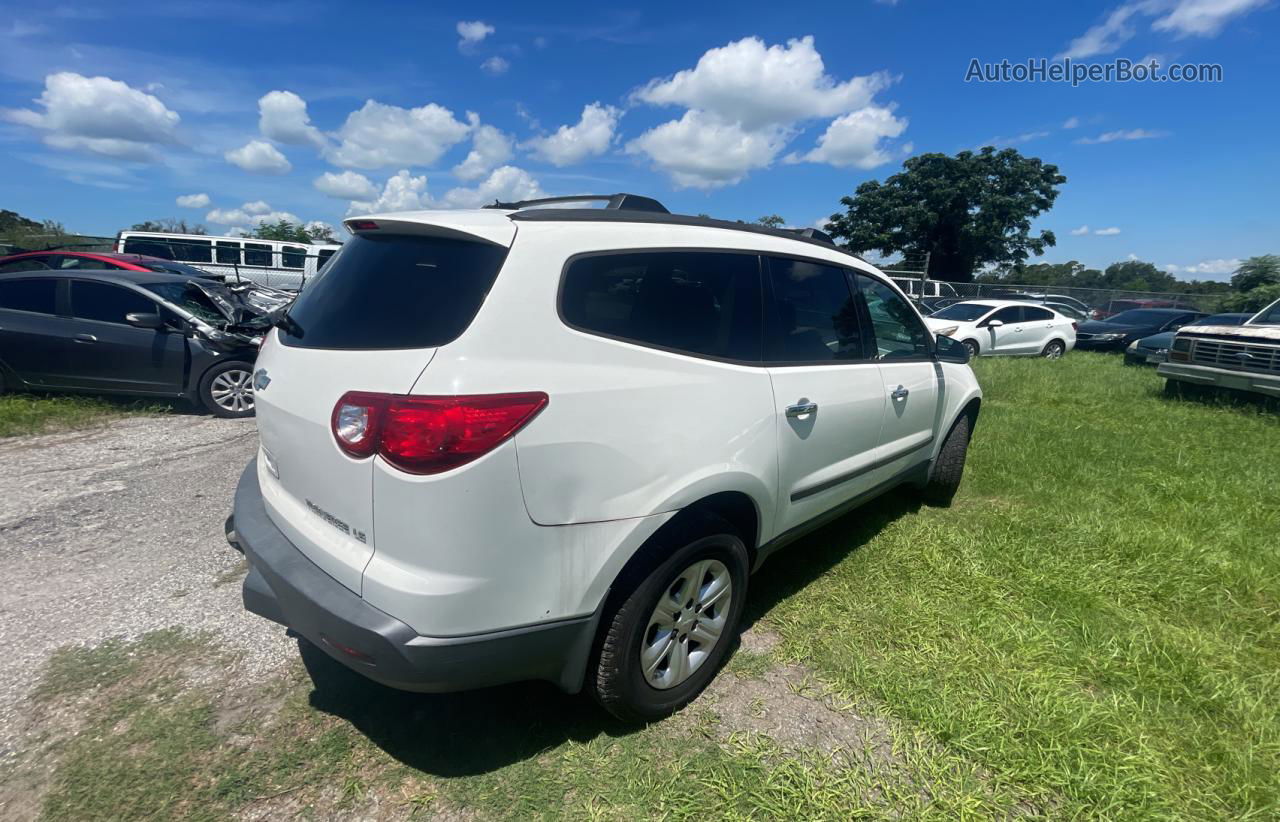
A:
1096, 302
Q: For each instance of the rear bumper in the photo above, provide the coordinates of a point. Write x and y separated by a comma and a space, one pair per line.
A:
286, 587
1267, 384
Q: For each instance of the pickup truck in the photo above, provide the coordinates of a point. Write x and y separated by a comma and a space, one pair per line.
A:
1244, 357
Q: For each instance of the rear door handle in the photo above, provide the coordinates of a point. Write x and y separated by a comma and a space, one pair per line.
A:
85, 338
801, 408
900, 393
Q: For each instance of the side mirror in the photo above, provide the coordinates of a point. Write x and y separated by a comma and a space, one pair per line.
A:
949, 350
140, 320
994, 323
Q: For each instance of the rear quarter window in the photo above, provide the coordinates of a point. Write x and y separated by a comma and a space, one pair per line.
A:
704, 303
394, 291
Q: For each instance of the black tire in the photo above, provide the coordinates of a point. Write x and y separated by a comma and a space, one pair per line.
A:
948, 469
230, 409
1054, 349
974, 349
1183, 390
615, 677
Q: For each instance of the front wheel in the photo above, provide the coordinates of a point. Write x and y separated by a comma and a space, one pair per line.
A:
948, 468
1054, 350
974, 349
663, 644
227, 389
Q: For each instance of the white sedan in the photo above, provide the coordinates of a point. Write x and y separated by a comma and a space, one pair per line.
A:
1005, 327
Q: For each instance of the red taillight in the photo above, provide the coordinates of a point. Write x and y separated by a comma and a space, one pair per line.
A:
428, 435
362, 225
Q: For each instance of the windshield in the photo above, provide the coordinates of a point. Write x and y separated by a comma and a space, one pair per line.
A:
962, 312
1140, 316
1268, 316
1222, 319
175, 268
190, 299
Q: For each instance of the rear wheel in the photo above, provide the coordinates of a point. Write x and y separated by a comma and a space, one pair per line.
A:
665, 641
1053, 350
948, 469
227, 389
974, 350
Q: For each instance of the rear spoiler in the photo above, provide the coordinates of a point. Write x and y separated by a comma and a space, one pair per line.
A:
484, 226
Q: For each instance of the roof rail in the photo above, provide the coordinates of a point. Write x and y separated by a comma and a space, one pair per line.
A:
615, 202
812, 234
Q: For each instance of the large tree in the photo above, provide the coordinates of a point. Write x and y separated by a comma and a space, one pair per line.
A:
966, 211
170, 225
1256, 272
282, 230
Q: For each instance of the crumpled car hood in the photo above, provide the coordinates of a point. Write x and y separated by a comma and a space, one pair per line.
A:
249, 308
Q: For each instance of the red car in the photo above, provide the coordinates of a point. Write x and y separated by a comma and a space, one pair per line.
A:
97, 261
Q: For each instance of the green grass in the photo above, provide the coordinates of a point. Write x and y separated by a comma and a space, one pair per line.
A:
37, 413
1098, 616
1092, 631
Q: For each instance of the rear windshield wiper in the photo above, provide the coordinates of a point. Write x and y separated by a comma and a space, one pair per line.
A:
289, 324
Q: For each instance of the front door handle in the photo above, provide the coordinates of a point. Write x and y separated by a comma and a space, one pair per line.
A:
801, 409
85, 338
900, 393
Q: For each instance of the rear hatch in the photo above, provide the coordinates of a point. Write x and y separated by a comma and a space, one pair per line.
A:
371, 322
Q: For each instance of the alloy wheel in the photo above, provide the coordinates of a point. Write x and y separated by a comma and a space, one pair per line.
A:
232, 390
687, 624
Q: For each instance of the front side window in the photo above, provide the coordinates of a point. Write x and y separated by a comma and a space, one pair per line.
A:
36, 296
699, 302
898, 332
1009, 315
107, 303
813, 317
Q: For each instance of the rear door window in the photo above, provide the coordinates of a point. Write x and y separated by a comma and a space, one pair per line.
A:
394, 291
36, 296
813, 316
700, 302
1032, 314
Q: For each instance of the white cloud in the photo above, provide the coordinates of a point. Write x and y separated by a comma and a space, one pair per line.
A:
571, 144
1080, 232
757, 85
378, 135
495, 65
506, 183
403, 192
1182, 18
1019, 139
490, 148
853, 141
1204, 18
260, 157
1212, 268
319, 226
472, 32
249, 214
1107, 232
701, 150
193, 200
1130, 134
99, 115
1107, 36
282, 116
347, 185
1072, 122
747, 100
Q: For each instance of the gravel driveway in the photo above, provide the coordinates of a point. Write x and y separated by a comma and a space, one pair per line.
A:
118, 531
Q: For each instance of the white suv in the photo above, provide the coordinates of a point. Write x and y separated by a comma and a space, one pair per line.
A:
532, 442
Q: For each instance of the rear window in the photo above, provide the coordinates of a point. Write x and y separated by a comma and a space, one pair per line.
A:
394, 291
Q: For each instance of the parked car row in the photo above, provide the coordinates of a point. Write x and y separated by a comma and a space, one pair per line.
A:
144, 332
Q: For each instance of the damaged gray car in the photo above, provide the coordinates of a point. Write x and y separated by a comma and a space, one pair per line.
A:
138, 333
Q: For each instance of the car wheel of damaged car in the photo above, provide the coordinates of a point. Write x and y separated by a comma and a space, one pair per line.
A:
227, 389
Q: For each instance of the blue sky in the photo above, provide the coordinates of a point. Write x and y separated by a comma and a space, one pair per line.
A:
111, 112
